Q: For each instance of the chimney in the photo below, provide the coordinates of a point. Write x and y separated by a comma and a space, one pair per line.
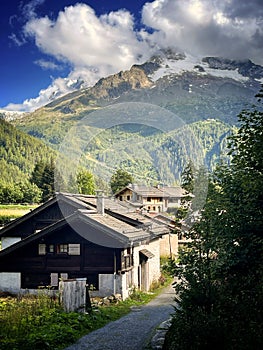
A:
100, 202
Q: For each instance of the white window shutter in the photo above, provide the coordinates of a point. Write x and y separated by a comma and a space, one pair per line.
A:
41, 249
64, 276
54, 279
74, 249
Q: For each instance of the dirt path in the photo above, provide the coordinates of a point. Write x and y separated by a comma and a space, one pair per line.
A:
133, 331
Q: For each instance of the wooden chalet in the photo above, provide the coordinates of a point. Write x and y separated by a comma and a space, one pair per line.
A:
152, 199
77, 236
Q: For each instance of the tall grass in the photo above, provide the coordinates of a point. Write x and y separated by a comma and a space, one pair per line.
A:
38, 322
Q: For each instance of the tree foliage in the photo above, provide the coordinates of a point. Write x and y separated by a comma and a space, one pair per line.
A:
85, 182
120, 179
19, 153
43, 177
220, 273
188, 176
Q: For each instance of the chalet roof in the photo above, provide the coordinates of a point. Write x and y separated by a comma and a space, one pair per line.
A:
120, 225
123, 211
110, 232
78, 204
175, 191
109, 203
158, 192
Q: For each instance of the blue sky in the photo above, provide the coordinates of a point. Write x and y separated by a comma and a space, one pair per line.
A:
48, 44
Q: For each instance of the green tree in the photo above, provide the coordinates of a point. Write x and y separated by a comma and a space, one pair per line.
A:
120, 179
43, 177
48, 181
220, 272
38, 174
85, 182
188, 176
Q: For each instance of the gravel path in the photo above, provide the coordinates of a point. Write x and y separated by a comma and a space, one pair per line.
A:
133, 331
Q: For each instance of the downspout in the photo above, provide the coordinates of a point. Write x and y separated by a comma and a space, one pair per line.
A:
170, 246
114, 274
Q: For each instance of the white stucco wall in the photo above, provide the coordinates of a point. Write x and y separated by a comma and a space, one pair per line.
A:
7, 241
10, 282
169, 244
153, 263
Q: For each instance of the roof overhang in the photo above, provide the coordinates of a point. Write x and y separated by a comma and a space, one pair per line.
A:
146, 253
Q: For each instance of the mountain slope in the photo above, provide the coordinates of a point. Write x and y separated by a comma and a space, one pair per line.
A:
153, 156
19, 153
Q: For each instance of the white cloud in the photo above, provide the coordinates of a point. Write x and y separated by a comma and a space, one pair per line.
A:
44, 64
94, 46
98, 46
78, 36
207, 27
59, 87
29, 10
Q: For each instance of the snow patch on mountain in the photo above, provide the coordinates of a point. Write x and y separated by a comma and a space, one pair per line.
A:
11, 115
190, 63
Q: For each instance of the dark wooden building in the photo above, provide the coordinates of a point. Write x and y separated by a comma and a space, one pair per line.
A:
67, 237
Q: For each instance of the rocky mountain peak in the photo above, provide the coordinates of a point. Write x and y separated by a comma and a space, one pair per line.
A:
244, 67
117, 84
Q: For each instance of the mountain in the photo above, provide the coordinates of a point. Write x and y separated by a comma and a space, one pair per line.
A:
206, 94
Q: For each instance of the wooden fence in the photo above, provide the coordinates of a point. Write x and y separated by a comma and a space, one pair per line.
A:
74, 295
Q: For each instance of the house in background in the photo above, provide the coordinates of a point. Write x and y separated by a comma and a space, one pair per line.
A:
152, 199
77, 236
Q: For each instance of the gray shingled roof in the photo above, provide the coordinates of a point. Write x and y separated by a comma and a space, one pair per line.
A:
151, 191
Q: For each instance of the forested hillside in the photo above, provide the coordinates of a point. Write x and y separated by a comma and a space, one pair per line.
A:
151, 155
19, 154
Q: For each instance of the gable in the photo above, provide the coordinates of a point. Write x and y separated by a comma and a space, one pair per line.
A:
46, 214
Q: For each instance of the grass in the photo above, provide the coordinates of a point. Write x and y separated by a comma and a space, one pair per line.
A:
39, 322
13, 211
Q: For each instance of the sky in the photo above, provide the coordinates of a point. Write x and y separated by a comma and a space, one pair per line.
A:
48, 44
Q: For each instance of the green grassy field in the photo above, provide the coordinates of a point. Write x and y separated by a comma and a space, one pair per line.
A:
12, 211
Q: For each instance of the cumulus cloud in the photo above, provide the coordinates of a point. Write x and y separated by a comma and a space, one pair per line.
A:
96, 46
57, 88
230, 28
107, 43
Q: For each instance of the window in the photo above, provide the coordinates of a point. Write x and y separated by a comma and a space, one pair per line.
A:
41, 249
62, 248
126, 260
120, 198
71, 249
128, 197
